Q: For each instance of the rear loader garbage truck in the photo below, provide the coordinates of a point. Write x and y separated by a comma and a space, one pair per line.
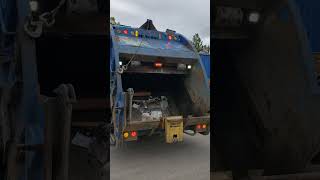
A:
158, 85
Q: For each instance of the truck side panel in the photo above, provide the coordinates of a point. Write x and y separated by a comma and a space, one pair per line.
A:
275, 69
206, 63
310, 12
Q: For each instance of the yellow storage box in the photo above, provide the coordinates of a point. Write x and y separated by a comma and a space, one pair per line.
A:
174, 129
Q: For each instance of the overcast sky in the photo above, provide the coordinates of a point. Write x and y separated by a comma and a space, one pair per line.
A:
184, 16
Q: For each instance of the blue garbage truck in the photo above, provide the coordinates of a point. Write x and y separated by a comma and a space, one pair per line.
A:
158, 85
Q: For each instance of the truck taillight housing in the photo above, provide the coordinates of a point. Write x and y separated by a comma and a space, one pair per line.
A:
133, 133
201, 126
158, 65
126, 135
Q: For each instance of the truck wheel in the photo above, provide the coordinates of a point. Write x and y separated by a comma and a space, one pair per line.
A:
207, 132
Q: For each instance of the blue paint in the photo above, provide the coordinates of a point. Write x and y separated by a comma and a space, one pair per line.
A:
7, 16
310, 13
205, 58
284, 14
29, 113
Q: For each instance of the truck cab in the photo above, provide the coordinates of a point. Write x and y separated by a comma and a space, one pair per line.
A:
158, 84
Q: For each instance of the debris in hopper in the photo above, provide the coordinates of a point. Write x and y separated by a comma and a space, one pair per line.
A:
154, 108
145, 104
146, 117
156, 115
136, 106
164, 103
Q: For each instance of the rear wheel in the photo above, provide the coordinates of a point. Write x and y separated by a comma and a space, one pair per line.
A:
207, 132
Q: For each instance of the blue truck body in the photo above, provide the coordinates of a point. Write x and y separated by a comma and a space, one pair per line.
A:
205, 58
310, 13
28, 112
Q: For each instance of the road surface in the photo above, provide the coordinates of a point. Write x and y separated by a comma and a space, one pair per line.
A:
153, 159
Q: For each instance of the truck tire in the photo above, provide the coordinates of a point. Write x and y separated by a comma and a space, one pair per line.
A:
205, 133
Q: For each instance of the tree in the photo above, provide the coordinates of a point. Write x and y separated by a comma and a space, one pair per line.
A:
197, 42
206, 48
113, 21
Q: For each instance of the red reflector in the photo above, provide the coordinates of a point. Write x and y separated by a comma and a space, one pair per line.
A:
169, 37
133, 133
125, 31
158, 65
198, 126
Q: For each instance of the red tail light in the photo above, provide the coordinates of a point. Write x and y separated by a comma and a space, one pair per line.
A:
198, 126
125, 31
133, 133
169, 37
158, 65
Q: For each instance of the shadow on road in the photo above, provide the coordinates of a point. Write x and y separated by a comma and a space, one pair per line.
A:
152, 158
157, 145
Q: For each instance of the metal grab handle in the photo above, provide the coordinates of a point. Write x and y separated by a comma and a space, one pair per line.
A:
131, 92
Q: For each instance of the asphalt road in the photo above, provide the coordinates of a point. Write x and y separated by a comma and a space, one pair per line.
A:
153, 159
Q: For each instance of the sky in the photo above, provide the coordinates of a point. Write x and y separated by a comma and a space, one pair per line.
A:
186, 17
